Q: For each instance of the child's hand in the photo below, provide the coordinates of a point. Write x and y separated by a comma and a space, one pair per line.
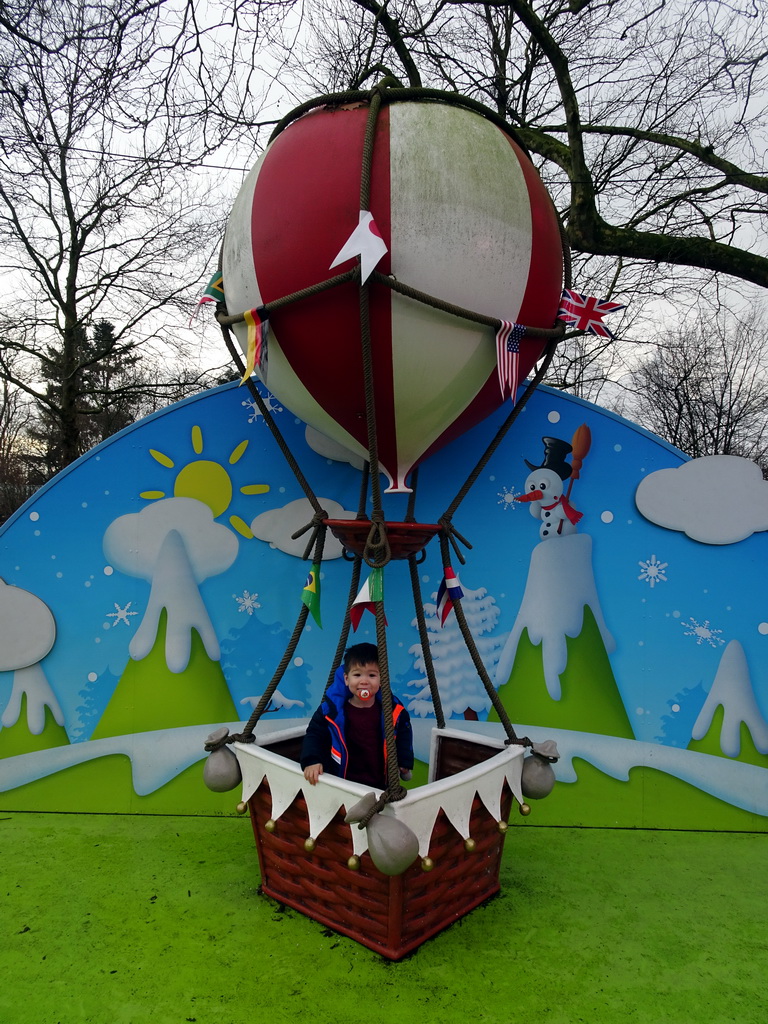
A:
312, 773
406, 774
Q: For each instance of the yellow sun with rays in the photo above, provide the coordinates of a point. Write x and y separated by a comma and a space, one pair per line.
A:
207, 481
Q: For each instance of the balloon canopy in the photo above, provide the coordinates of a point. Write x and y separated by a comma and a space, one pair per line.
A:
465, 219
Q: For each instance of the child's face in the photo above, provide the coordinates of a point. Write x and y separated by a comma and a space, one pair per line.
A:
363, 681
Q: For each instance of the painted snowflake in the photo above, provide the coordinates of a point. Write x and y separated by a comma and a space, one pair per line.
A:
253, 410
507, 498
121, 614
653, 571
703, 632
248, 602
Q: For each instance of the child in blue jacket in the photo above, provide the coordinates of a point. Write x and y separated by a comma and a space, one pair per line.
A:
346, 734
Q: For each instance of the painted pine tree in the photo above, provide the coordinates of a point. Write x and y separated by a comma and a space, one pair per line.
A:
461, 691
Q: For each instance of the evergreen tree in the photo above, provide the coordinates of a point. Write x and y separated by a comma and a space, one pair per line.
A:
462, 693
90, 394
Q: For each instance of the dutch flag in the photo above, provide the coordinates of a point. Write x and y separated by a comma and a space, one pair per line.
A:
448, 592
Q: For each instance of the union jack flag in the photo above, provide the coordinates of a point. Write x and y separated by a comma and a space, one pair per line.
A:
508, 356
585, 312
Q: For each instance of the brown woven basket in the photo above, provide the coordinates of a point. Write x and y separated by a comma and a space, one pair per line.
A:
391, 915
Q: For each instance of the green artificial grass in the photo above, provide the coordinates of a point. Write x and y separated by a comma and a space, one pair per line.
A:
110, 919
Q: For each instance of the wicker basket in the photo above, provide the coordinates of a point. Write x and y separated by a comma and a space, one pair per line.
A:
332, 878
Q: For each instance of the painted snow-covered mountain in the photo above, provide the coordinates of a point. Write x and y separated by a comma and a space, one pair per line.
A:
554, 669
730, 723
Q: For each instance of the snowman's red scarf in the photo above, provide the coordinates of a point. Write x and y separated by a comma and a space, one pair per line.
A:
571, 513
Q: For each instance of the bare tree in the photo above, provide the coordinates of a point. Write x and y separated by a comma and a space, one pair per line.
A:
102, 216
19, 465
705, 389
648, 127
113, 388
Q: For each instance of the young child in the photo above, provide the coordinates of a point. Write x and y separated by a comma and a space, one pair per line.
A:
346, 734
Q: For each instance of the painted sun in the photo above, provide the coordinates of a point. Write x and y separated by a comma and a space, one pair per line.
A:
207, 481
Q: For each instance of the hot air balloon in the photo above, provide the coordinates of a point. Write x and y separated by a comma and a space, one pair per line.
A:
409, 263
465, 221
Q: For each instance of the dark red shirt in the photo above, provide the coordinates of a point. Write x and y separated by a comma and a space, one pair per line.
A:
365, 745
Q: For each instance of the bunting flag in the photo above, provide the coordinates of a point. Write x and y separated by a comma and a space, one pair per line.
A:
508, 339
365, 242
371, 593
310, 595
258, 333
214, 292
448, 592
585, 312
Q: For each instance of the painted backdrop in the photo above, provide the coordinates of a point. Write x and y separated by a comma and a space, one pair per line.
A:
147, 594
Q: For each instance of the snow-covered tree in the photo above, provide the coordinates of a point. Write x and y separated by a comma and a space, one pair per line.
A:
461, 691
684, 709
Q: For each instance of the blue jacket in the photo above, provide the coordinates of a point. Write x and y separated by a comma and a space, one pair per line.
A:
325, 739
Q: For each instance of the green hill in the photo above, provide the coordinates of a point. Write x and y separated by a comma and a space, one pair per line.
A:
590, 699
649, 799
710, 742
17, 739
149, 696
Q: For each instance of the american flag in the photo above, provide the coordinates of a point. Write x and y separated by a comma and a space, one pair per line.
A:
508, 356
448, 592
585, 312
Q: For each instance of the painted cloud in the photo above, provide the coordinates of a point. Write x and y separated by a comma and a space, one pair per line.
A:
276, 526
330, 449
717, 499
134, 541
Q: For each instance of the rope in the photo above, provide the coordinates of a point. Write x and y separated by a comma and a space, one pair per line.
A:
410, 512
275, 430
370, 403
354, 587
368, 143
377, 553
227, 319
426, 650
445, 519
399, 95
477, 661
246, 736
395, 791
460, 311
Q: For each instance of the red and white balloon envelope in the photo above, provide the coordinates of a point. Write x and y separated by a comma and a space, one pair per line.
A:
465, 218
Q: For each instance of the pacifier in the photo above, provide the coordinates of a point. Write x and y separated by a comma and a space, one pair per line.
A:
365, 694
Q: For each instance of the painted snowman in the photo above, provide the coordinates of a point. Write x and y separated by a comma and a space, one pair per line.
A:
544, 491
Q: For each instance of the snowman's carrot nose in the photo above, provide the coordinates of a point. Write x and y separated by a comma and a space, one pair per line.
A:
530, 496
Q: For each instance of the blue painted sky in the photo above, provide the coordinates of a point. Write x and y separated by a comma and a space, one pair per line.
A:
670, 632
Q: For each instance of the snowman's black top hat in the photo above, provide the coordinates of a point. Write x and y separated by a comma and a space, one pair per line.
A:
555, 452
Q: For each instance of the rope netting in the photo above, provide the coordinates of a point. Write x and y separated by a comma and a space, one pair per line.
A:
377, 552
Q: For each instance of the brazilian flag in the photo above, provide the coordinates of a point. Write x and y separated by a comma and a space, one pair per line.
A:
310, 595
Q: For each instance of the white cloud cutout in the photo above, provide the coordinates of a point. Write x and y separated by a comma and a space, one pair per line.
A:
27, 628
276, 526
132, 542
717, 499
330, 449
